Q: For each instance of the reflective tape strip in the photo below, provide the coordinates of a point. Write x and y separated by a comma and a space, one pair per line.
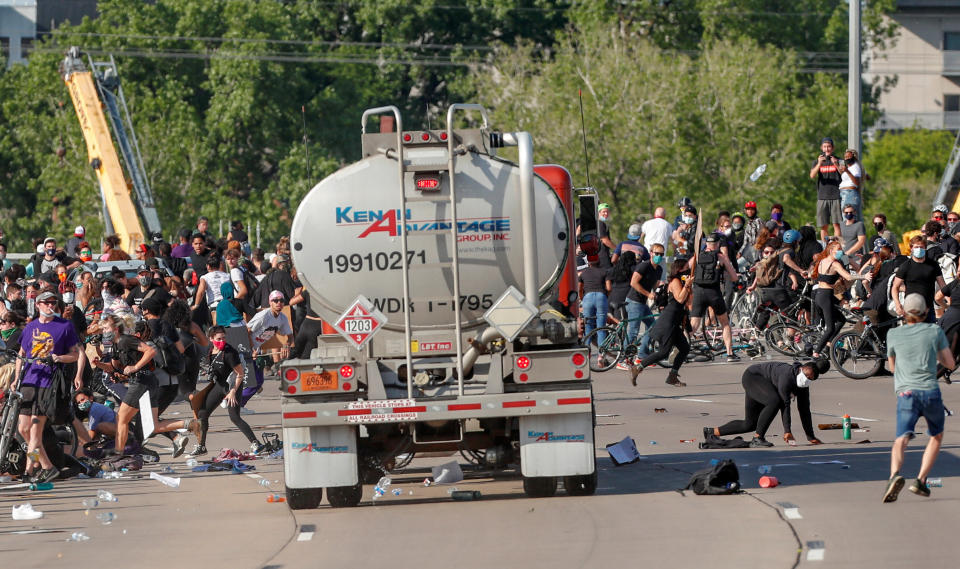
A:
464, 407
350, 412
574, 401
300, 415
509, 404
414, 409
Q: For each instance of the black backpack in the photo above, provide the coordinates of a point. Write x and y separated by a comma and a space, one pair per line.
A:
245, 305
661, 296
722, 478
168, 357
707, 272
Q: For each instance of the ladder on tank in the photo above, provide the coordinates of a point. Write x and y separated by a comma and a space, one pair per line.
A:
454, 263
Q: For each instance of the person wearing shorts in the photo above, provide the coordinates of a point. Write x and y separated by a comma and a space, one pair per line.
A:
826, 171
913, 351
707, 293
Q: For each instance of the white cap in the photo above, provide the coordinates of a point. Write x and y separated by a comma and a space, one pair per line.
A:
914, 304
79, 231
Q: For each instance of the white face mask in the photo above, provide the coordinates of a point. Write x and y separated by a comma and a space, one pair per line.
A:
45, 313
68, 298
802, 380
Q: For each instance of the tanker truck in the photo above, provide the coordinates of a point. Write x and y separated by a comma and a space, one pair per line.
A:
448, 277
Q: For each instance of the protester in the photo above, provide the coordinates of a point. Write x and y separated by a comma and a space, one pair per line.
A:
753, 225
854, 235
913, 351
668, 329
768, 388
604, 217
851, 178
632, 243
656, 230
826, 172
707, 267
920, 276
882, 232
827, 270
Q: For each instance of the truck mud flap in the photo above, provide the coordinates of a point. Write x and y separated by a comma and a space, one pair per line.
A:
320, 457
557, 445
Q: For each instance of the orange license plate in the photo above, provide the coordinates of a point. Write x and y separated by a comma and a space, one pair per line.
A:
324, 381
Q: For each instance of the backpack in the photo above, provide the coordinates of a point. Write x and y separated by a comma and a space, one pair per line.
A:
168, 357
661, 296
948, 266
722, 478
57, 402
769, 270
245, 305
707, 272
127, 462
891, 307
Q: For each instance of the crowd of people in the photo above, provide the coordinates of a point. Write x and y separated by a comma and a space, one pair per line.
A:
911, 296
204, 320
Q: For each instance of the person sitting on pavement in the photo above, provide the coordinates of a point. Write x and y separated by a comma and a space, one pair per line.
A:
768, 387
101, 420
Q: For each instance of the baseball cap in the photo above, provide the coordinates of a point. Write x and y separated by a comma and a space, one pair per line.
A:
50, 294
48, 240
881, 243
826, 139
712, 238
79, 231
690, 209
749, 204
604, 205
914, 304
634, 231
276, 294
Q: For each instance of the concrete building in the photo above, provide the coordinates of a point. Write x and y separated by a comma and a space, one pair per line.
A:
23, 21
926, 63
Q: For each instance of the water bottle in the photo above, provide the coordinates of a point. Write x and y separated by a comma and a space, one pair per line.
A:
113, 475
105, 496
935, 482
171, 482
90, 503
168, 470
397, 492
78, 536
765, 469
846, 428
106, 518
191, 462
264, 482
384, 482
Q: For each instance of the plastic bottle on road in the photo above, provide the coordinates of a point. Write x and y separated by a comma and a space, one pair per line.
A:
112, 475
90, 503
106, 518
935, 482
78, 536
846, 428
264, 482
106, 496
191, 462
167, 480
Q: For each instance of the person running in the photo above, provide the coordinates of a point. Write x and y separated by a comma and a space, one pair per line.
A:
226, 375
707, 293
827, 270
195, 344
919, 275
767, 388
668, 330
262, 327
913, 351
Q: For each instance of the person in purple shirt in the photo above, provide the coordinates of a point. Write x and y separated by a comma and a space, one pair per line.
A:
184, 249
53, 340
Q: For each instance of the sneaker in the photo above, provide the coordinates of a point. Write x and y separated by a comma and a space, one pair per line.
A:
733, 358
920, 488
638, 360
760, 442
198, 450
708, 433
47, 475
25, 512
623, 365
180, 444
256, 448
893, 489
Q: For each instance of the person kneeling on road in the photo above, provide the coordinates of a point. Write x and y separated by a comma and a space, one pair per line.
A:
768, 387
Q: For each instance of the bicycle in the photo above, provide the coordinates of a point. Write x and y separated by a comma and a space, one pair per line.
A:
859, 355
614, 348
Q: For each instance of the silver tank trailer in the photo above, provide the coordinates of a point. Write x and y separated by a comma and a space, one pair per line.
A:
347, 238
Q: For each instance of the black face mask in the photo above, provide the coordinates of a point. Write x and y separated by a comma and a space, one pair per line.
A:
878, 226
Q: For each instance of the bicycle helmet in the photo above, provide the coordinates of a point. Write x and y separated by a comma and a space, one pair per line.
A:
685, 201
791, 236
941, 208
750, 204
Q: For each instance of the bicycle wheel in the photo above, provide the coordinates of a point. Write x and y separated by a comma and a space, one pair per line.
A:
787, 339
856, 356
745, 307
606, 355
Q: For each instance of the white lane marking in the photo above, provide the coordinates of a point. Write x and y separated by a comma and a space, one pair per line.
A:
815, 550
305, 536
694, 400
254, 476
792, 513
864, 419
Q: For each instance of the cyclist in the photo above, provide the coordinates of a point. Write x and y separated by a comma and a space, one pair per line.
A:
668, 330
827, 270
707, 266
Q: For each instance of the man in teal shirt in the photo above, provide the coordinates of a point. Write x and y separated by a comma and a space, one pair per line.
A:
913, 351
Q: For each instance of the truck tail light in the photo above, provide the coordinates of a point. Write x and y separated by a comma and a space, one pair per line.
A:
346, 371
443, 136
425, 136
427, 181
578, 359
523, 362
346, 386
291, 375
407, 137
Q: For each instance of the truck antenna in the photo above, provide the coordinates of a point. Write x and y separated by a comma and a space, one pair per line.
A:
583, 129
306, 147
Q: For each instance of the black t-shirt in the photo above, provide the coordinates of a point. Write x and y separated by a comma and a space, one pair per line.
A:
934, 251
222, 364
603, 231
199, 263
162, 328
176, 265
275, 280
136, 295
952, 291
126, 349
649, 275
807, 252
787, 271
594, 279
618, 287
920, 278
950, 245
828, 181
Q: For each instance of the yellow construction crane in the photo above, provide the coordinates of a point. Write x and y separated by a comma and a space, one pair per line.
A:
92, 93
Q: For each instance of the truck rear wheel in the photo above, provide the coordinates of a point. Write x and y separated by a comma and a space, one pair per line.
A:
345, 496
304, 498
539, 486
581, 485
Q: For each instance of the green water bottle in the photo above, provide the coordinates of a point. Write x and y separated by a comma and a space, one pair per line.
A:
846, 428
